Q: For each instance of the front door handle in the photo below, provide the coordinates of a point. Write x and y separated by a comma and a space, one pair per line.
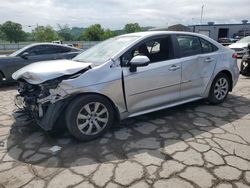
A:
174, 67
208, 60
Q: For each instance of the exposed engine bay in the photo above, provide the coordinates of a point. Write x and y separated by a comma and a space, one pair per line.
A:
37, 97
38, 101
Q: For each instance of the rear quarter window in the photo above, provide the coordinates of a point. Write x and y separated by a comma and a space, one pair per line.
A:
207, 47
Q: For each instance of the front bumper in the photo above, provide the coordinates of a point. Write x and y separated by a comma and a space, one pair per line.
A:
45, 116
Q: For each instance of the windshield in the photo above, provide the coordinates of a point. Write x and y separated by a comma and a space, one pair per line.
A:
245, 39
103, 51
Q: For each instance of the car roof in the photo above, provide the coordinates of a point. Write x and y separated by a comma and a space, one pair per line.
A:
147, 34
155, 33
52, 44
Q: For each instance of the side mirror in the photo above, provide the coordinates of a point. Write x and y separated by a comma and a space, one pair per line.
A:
138, 61
25, 55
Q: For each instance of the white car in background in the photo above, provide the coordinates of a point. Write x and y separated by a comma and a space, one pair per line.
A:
240, 47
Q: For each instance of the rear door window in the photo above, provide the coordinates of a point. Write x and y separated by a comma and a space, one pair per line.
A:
189, 45
36, 50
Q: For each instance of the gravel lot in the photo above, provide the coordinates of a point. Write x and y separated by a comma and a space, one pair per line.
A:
193, 145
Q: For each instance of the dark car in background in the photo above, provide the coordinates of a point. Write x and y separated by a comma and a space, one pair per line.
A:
33, 53
245, 63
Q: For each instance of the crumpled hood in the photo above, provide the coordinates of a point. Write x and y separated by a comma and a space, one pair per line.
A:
40, 72
238, 45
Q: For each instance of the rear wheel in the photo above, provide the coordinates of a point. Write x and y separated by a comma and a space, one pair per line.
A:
88, 117
219, 89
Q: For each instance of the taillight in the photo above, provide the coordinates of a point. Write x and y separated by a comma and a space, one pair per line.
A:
234, 55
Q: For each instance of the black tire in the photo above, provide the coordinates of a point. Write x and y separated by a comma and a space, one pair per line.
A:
77, 106
213, 98
242, 72
1, 78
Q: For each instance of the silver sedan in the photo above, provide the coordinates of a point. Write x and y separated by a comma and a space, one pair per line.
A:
123, 77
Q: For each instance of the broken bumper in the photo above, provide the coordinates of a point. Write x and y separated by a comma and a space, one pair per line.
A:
44, 116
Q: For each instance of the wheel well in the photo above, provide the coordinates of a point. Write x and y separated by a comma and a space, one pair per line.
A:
116, 111
229, 75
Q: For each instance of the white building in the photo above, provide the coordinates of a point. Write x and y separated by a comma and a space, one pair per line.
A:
216, 31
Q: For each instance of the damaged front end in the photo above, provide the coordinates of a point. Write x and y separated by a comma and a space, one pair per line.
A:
40, 96
44, 102
41, 103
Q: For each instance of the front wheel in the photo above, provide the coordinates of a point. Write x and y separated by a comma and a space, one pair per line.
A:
219, 89
88, 117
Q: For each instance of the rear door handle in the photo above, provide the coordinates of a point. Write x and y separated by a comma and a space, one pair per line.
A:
174, 67
208, 60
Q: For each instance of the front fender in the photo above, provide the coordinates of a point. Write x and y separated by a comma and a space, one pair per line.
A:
52, 114
103, 80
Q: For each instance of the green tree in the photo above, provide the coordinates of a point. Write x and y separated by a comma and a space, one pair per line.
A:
77, 33
108, 34
13, 31
93, 33
132, 27
96, 33
1, 33
64, 32
29, 36
45, 34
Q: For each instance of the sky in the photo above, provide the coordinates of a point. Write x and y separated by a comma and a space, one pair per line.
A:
114, 14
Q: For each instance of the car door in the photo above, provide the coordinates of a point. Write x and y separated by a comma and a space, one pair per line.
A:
157, 84
197, 65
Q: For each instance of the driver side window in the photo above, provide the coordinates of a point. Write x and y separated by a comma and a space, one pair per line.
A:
43, 50
33, 50
159, 49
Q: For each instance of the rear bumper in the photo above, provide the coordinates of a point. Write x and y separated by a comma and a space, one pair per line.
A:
236, 76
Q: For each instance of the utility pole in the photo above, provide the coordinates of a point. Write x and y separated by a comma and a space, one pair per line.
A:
202, 7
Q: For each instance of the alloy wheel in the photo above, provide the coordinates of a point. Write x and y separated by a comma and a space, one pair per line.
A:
92, 118
221, 88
